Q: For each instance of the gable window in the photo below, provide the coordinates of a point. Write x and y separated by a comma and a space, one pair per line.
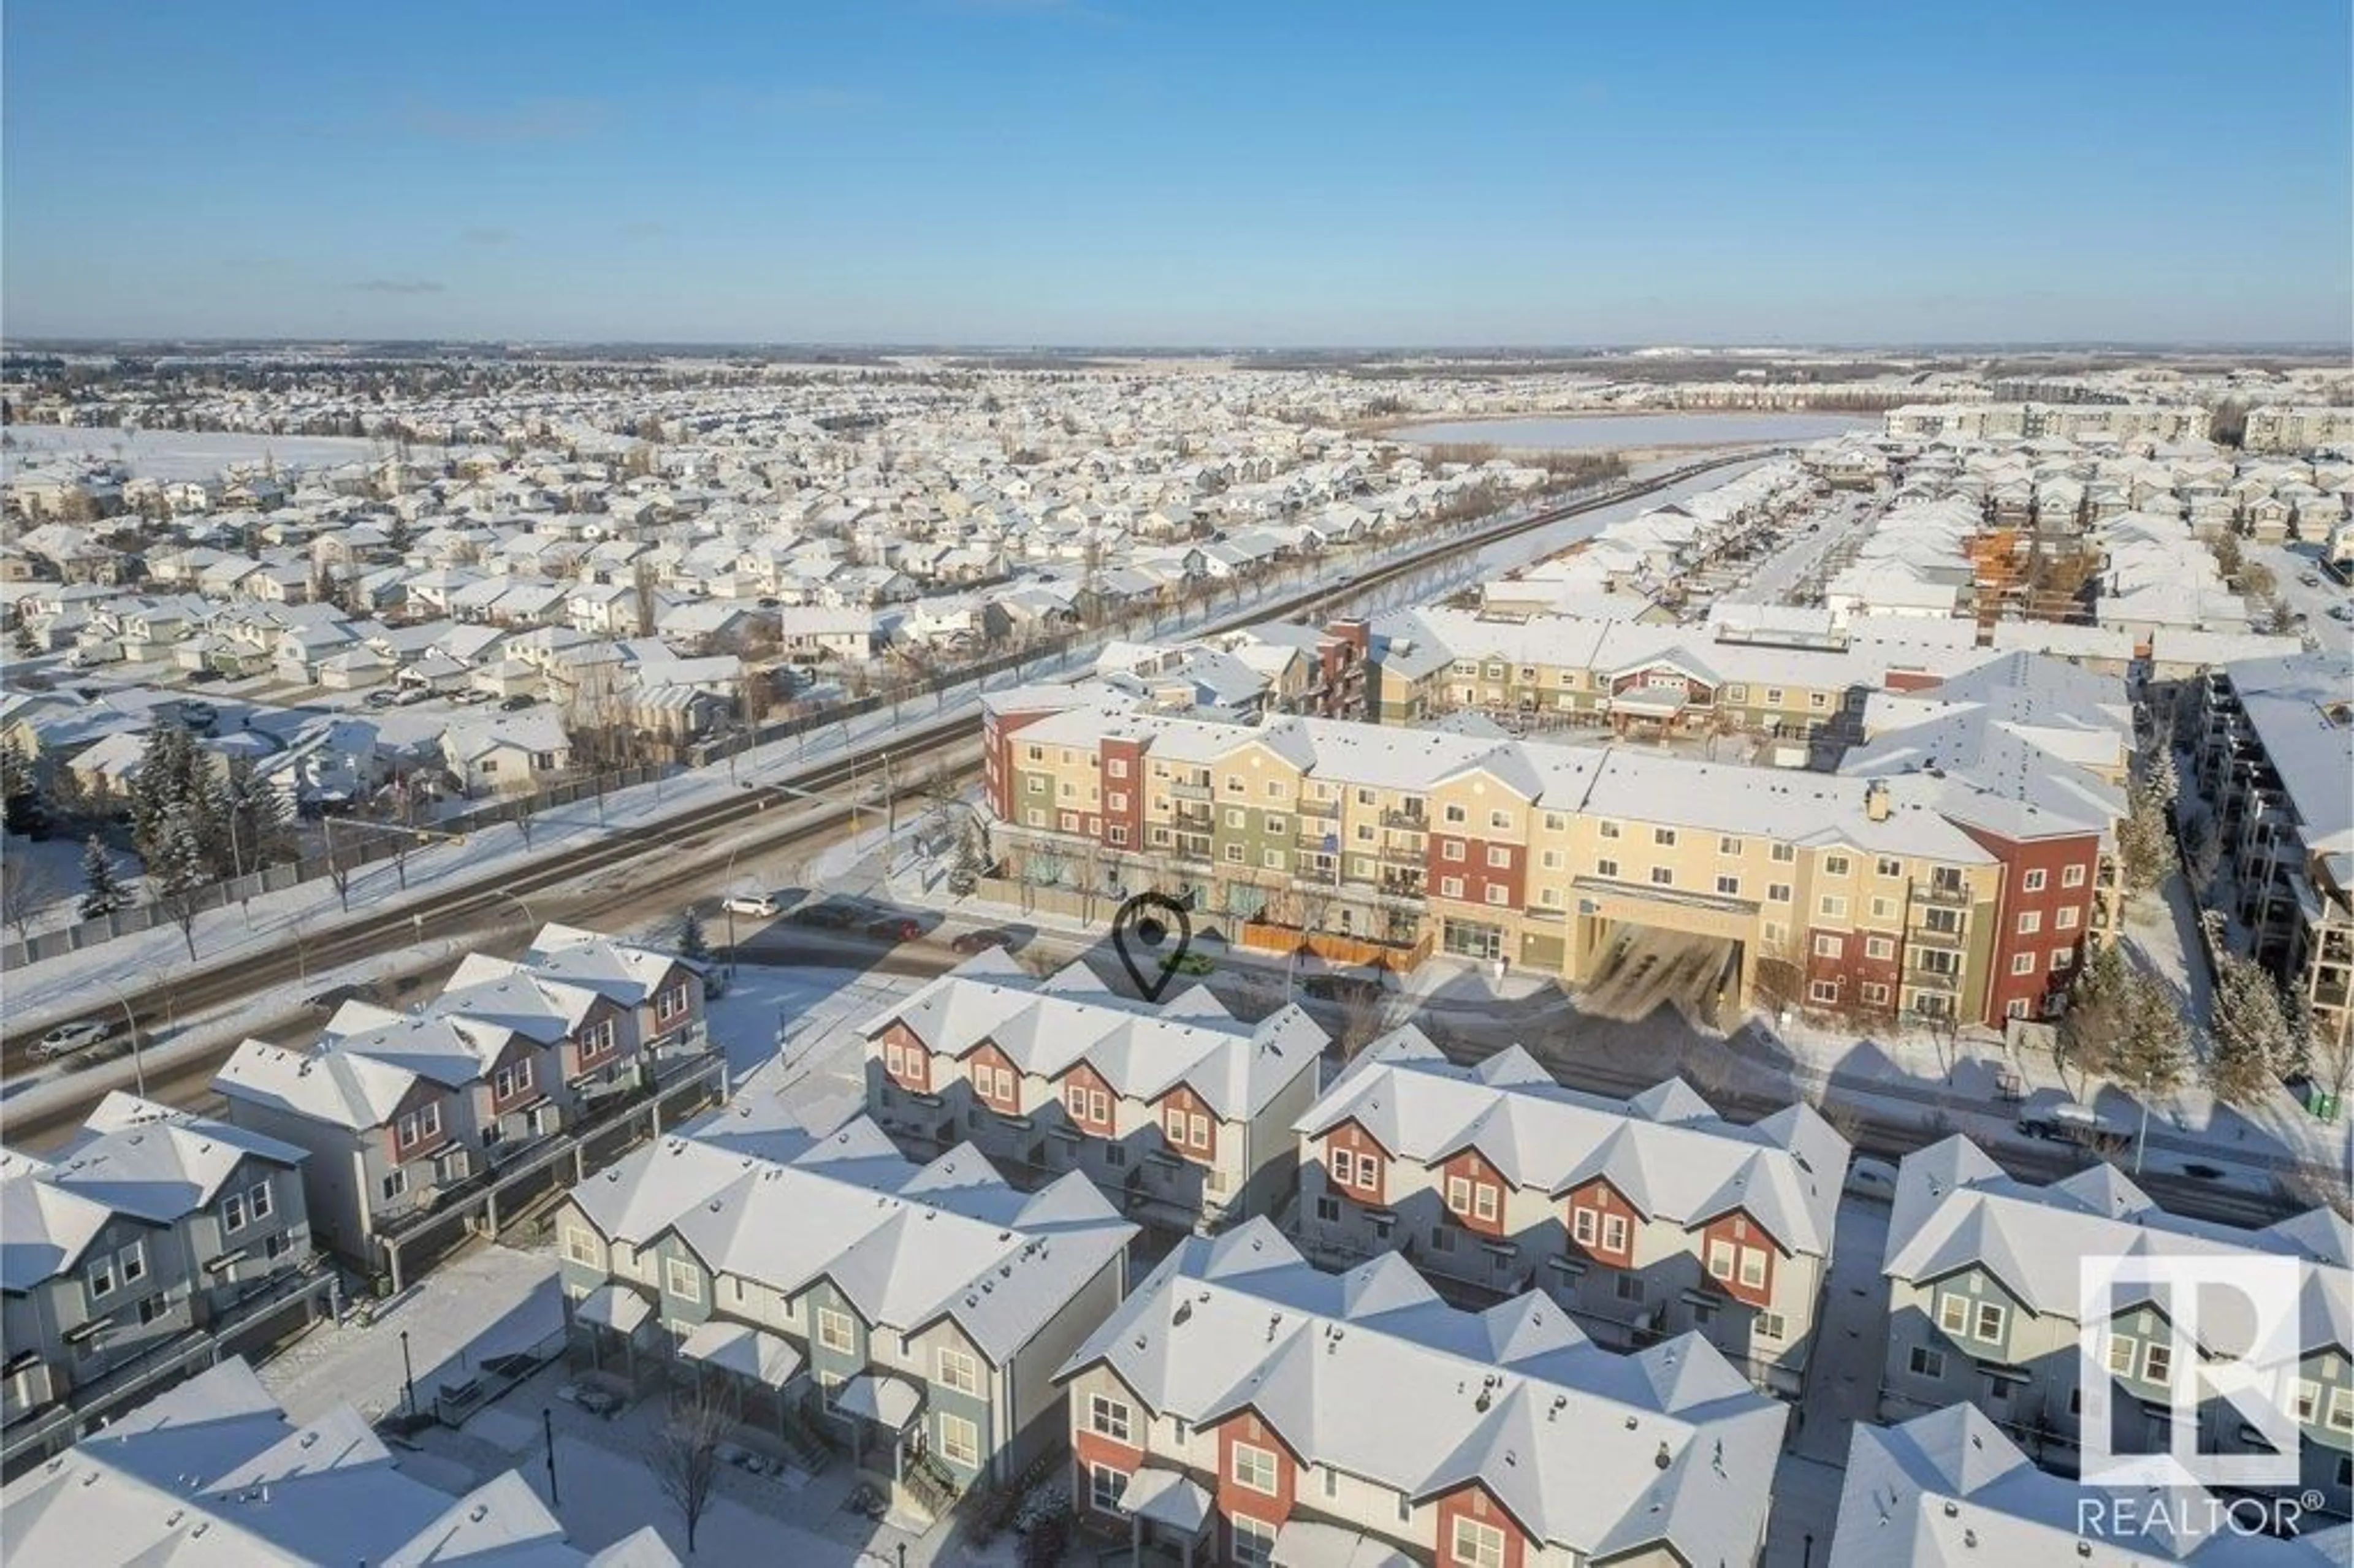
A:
1109, 1417
957, 1370
1254, 1541
681, 1280
511, 1080
1990, 1320
1665, 837
669, 1004
2157, 1361
837, 1332
1609, 829
1954, 1314
1889, 865
1835, 865
1476, 1545
580, 1246
1727, 844
1254, 1469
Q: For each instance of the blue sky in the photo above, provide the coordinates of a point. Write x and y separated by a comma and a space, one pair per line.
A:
1191, 172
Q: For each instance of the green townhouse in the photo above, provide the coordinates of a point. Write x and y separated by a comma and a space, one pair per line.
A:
832, 1292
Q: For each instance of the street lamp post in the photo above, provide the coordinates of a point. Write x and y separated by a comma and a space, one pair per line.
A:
407, 1373
131, 1022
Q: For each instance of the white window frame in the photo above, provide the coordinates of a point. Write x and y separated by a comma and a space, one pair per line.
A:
956, 1369
830, 1322
1110, 1417
1245, 1469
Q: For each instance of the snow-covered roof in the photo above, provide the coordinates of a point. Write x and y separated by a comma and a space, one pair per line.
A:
1371, 1373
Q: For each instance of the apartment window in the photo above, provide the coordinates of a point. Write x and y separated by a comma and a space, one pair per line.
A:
1498, 856
1278, 824
1109, 1417
1728, 885
1770, 1326
2071, 876
1991, 1318
1555, 822
1830, 947
1234, 854
1451, 850
682, 1279
2125, 1350
1450, 887
1835, 865
1663, 877
1777, 892
837, 1332
1785, 853
1889, 865
1271, 859
1833, 905
1883, 908
1818, 699
1254, 1469
1614, 1232
1879, 947
2032, 882
957, 1370
1237, 820
1550, 860
959, 1440
2022, 963
1497, 894
2065, 919
1106, 1487
1609, 829
395, 1183
2029, 922
1925, 1363
1454, 813
1608, 868
2062, 959
1036, 786
1476, 1545
1665, 837
581, 1247
1728, 845
1254, 1541
1773, 696
1275, 790
1822, 991
1875, 995
1500, 820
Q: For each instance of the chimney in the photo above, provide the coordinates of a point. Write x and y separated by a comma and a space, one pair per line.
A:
1875, 799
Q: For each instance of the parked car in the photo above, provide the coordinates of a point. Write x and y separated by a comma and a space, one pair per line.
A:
2066, 1121
894, 928
831, 916
517, 703
2310, 579
760, 906
198, 716
383, 697
980, 941
68, 1038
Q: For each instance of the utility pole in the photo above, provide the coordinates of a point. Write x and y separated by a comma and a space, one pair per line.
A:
407, 1373
547, 1424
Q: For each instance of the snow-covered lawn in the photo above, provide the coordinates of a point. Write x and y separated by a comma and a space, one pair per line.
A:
183, 454
491, 1301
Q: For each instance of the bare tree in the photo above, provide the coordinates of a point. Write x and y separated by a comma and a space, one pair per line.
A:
27, 886
684, 1456
643, 589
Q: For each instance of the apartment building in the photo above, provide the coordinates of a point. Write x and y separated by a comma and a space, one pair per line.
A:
2280, 427
1180, 1113
215, 1471
1851, 895
2160, 423
1645, 1217
1983, 1298
1952, 1486
917, 1313
1245, 1408
146, 1226
1646, 681
400, 1110
2276, 747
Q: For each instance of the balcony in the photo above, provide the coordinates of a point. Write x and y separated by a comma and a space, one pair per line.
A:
1929, 980
1398, 854
1330, 810
1416, 820
1200, 815
1954, 895
1929, 936
1192, 847
1188, 790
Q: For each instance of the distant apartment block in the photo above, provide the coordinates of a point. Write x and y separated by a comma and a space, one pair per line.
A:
2278, 428
1645, 1218
1245, 1408
1180, 1113
2090, 422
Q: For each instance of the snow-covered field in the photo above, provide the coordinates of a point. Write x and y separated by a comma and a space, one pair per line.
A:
1600, 432
181, 454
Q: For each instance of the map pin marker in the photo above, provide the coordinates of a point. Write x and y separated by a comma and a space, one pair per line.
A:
1152, 927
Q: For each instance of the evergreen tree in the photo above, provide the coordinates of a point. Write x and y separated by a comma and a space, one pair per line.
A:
2152, 1054
2251, 1033
102, 891
177, 871
2099, 1003
2162, 782
692, 944
2143, 843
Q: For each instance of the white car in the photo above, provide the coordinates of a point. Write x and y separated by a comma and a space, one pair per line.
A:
759, 905
68, 1038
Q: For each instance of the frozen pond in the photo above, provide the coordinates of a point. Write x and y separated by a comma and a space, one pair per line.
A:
172, 455
1600, 430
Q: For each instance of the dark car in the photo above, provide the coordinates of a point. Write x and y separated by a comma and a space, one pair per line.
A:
983, 941
829, 916
894, 928
518, 703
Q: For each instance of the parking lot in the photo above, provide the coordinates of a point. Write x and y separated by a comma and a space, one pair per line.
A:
1646, 968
